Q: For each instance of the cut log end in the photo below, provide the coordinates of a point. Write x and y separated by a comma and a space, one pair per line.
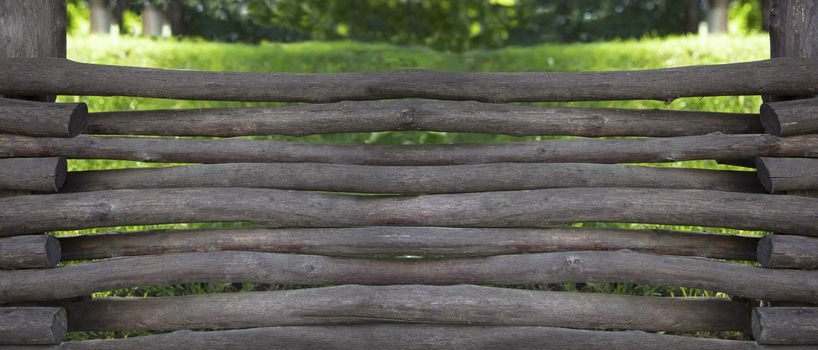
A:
53, 250
59, 325
769, 120
78, 121
764, 175
755, 324
764, 251
60, 172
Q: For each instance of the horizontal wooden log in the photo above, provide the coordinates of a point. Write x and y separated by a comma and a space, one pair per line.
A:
26, 252
42, 119
787, 118
463, 304
533, 208
631, 150
587, 266
32, 325
33, 174
401, 241
782, 76
409, 337
13, 193
424, 115
787, 174
409, 179
785, 325
788, 252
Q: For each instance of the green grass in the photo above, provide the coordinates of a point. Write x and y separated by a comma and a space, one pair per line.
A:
355, 57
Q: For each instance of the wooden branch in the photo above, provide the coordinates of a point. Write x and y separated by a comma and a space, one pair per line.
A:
410, 179
32, 325
33, 174
785, 325
632, 150
463, 304
26, 252
533, 208
231, 266
787, 118
42, 119
409, 337
790, 76
400, 115
788, 252
401, 241
787, 174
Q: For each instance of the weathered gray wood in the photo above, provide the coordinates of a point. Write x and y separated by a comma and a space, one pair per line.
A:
788, 118
788, 252
32, 28
462, 304
397, 115
410, 337
42, 119
32, 325
33, 174
632, 150
785, 76
409, 179
787, 174
585, 266
793, 33
785, 325
32, 251
401, 241
532, 208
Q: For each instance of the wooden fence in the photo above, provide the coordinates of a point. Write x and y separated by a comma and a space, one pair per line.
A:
404, 240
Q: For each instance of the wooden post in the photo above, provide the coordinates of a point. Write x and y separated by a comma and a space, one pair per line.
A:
32, 28
793, 32
785, 325
788, 252
32, 325
26, 252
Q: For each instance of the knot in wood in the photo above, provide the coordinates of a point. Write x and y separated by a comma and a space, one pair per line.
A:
406, 116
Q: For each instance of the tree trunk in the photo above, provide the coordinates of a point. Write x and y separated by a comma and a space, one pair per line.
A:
692, 16
152, 20
718, 16
100, 16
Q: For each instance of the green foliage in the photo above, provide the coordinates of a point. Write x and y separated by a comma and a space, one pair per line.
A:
349, 57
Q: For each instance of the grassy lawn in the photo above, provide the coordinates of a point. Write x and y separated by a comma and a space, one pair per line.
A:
354, 57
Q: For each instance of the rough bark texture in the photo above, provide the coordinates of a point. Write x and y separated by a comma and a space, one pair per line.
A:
410, 337
32, 325
785, 325
31, 28
786, 76
446, 116
787, 174
788, 252
534, 208
788, 118
42, 119
409, 179
33, 174
793, 33
29, 252
586, 266
402, 241
463, 304
632, 150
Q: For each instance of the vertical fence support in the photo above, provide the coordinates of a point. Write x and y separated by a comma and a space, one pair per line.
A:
793, 32
33, 28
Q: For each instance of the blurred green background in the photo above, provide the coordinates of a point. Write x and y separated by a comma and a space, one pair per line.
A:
377, 35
